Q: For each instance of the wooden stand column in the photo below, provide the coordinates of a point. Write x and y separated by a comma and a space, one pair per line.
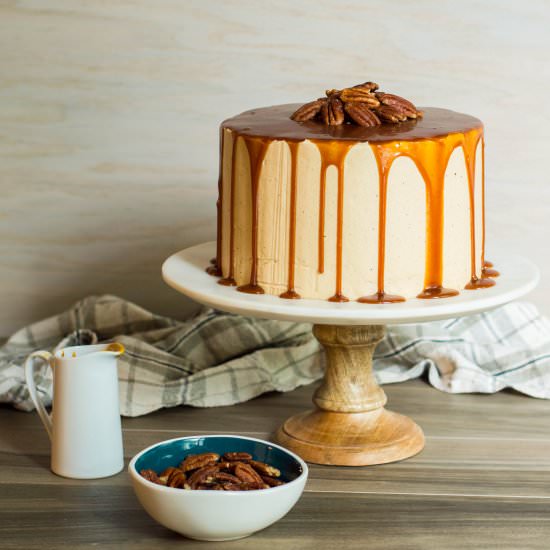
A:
350, 426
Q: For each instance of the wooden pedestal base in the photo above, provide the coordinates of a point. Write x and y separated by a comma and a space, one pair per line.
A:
350, 426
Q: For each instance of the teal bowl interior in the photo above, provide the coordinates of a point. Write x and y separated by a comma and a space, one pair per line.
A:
171, 453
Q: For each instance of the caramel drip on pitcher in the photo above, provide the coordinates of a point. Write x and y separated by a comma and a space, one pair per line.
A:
215, 268
257, 149
333, 153
291, 293
230, 280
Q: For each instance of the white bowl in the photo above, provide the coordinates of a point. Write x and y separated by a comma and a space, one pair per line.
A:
217, 515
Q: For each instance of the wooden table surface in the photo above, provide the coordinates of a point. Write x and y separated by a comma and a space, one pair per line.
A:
483, 481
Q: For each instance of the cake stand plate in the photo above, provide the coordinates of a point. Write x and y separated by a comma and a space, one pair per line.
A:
349, 425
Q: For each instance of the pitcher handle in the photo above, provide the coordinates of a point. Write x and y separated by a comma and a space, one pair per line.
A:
29, 376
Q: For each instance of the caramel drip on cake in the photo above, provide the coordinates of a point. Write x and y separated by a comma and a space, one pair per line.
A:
229, 280
322, 209
215, 268
470, 146
432, 168
482, 205
333, 153
291, 293
486, 266
431, 158
384, 158
257, 148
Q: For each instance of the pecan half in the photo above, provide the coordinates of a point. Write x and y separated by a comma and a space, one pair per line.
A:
391, 113
226, 465
335, 110
200, 476
401, 103
361, 114
245, 486
232, 487
166, 474
192, 462
222, 477
246, 473
272, 481
323, 113
368, 86
359, 95
151, 475
308, 111
176, 479
232, 457
264, 469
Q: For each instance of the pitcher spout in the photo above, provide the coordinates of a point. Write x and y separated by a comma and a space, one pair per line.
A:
115, 348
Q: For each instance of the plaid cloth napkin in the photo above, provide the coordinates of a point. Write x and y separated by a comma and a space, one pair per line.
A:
218, 358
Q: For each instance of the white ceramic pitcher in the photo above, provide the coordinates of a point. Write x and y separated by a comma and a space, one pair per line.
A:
84, 426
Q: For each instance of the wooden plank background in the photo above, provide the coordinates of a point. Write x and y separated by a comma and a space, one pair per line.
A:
109, 114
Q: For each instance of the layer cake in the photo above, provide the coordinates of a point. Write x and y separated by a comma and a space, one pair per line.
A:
340, 206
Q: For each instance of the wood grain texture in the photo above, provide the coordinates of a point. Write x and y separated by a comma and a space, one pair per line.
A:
109, 118
349, 384
482, 481
349, 426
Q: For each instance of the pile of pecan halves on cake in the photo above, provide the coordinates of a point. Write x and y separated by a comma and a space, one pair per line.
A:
361, 104
230, 472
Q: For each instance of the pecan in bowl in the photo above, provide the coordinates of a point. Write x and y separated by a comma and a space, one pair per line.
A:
190, 484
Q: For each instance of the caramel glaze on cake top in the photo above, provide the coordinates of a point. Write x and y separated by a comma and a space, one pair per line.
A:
444, 130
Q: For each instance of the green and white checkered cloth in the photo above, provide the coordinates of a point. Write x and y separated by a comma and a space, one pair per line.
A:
217, 358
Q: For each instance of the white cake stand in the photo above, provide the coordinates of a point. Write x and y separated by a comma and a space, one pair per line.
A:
349, 425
